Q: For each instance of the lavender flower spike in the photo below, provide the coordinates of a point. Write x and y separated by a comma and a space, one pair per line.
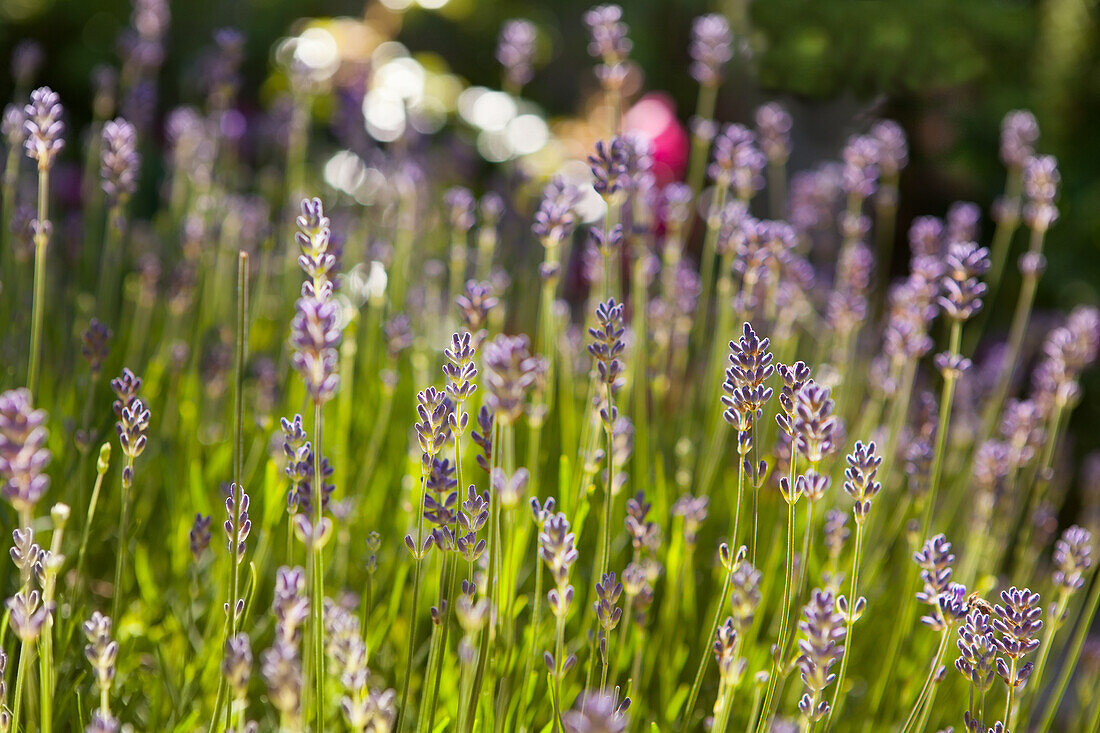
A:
44, 127
23, 452
119, 161
516, 49
315, 336
711, 48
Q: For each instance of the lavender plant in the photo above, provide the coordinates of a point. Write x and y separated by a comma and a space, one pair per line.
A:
599, 423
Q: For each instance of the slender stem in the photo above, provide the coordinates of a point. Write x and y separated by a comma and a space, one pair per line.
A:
757, 698
559, 651
609, 428
490, 587
945, 638
777, 188
20, 676
838, 699
1006, 228
101, 471
946, 398
697, 684
401, 711
1020, 318
807, 539
41, 241
710, 246
1058, 615
123, 529
1084, 623
788, 583
700, 144
1008, 716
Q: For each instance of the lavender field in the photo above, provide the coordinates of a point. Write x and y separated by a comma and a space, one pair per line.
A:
374, 399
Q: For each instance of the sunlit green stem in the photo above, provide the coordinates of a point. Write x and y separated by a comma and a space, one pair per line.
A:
1084, 623
41, 242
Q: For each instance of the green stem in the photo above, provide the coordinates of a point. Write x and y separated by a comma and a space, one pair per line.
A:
697, 684
41, 241
123, 528
700, 145
1016, 333
1088, 612
318, 619
946, 398
401, 711
853, 597
784, 623
945, 639
20, 677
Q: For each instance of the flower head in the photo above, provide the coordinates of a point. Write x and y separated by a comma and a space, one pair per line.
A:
43, 127
964, 263
823, 630
815, 426
516, 51
773, 129
315, 336
859, 477
511, 372
1018, 620
607, 340
23, 452
744, 387
711, 48
119, 160
1019, 133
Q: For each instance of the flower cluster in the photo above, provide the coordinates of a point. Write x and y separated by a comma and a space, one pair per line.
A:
511, 372
744, 387
820, 647
43, 127
23, 452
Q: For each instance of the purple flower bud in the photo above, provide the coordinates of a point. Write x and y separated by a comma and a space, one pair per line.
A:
1018, 619
556, 215
237, 664
1073, 557
609, 33
23, 451
893, 148
119, 160
711, 48
44, 127
200, 536
926, 236
607, 340
1019, 133
820, 647
556, 548
861, 166
773, 129
815, 427
744, 387
597, 712
516, 49
13, 126
1041, 183
315, 336
963, 218
962, 290
859, 477
511, 372
978, 648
